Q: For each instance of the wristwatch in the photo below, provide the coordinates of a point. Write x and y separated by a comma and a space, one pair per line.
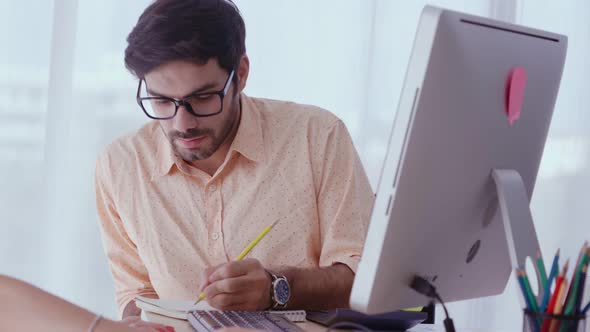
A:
280, 292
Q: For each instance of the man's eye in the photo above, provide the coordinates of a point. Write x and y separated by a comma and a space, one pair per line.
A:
162, 101
203, 97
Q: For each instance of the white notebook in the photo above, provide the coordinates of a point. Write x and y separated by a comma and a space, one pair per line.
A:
170, 308
179, 309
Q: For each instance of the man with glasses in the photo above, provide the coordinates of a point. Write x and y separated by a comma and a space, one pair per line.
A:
186, 193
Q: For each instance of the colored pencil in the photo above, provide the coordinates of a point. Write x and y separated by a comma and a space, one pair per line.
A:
552, 275
575, 267
576, 280
525, 294
580, 295
558, 306
553, 302
527, 285
542, 271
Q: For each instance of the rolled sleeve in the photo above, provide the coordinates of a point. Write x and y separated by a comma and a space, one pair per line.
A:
345, 201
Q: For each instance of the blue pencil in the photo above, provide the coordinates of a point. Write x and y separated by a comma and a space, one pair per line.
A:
586, 309
552, 274
578, 303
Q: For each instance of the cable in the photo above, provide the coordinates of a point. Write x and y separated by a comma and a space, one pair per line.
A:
443, 305
425, 288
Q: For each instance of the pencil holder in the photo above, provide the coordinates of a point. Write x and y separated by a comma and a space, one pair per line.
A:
542, 322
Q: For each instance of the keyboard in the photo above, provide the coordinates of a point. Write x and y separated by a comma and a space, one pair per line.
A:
211, 320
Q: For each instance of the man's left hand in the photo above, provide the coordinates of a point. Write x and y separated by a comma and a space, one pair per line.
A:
241, 285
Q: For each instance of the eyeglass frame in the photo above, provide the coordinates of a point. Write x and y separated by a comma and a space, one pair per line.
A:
182, 102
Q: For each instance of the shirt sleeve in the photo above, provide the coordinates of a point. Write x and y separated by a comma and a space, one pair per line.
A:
129, 273
345, 200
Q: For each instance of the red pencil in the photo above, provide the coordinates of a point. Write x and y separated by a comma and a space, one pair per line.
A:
553, 301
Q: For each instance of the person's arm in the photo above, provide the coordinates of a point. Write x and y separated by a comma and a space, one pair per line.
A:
26, 308
321, 288
128, 270
345, 201
245, 285
344, 197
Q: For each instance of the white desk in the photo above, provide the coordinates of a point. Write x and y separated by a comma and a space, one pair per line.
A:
184, 326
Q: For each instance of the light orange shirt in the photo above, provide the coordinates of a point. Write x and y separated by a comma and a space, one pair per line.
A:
163, 221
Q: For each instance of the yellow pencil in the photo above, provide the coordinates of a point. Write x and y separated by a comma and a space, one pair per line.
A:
246, 251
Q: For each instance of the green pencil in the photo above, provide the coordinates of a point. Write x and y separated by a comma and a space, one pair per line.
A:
529, 291
542, 271
572, 297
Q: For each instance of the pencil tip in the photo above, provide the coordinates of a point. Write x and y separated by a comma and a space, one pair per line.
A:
274, 223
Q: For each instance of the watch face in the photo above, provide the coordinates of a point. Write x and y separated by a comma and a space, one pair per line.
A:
282, 291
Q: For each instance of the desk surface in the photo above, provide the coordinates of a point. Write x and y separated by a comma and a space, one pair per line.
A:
184, 326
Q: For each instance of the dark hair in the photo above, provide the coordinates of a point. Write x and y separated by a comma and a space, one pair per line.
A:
193, 30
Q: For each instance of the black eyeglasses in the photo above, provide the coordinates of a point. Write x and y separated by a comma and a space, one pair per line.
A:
200, 104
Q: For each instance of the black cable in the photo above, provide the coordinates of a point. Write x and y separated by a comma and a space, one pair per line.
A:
448, 322
443, 305
425, 288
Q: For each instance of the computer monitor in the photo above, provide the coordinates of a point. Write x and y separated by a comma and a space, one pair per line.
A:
436, 212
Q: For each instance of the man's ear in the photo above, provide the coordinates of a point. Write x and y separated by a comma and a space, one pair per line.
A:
242, 72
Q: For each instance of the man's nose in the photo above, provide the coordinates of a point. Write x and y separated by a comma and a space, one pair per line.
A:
183, 121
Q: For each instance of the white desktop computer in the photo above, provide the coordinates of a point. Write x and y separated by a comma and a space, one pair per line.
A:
452, 203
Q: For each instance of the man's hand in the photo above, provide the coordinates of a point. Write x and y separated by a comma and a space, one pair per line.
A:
242, 285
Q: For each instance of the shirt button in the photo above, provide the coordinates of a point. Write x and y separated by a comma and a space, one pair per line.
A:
215, 236
212, 188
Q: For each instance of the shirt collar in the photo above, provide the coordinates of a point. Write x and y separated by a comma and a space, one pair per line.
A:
165, 157
249, 141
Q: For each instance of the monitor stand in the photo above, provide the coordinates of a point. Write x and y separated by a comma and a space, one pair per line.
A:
521, 236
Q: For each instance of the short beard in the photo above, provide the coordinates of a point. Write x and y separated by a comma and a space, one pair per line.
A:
189, 155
